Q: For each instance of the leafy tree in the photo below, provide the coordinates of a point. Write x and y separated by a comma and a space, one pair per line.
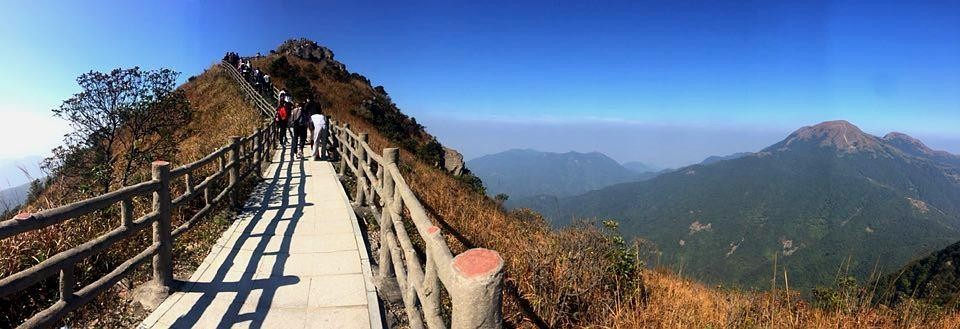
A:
121, 121
431, 152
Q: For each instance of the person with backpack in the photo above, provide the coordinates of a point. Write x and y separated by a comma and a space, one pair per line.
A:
299, 121
281, 118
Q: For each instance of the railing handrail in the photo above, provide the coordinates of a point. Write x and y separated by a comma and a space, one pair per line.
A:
473, 278
249, 151
251, 93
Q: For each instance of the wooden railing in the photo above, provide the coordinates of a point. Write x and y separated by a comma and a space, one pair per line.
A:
248, 91
234, 162
472, 279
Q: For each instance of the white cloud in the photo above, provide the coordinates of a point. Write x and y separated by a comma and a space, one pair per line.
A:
25, 132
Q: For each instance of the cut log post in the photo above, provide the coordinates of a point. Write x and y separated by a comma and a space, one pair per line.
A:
67, 282
234, 171
361, 174
256, 153
343, 149
386, 221
162, 261
477, 289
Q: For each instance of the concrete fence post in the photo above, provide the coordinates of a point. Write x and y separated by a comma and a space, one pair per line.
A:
342, 132
361, 174
234, 171
477, 290
390, 156
256, 152
163, 260
431, 284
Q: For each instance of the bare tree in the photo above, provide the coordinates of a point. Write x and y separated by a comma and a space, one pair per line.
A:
121, 120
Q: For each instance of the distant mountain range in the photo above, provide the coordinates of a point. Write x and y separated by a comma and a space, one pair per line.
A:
13, 197
15, 172
715, 158
15, 178
825, 193
640, 167
525, 173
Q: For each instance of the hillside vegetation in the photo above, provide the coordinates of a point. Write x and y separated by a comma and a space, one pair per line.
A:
218, 111
934, 279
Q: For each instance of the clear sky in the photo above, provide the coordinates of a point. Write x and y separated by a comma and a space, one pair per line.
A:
666, 82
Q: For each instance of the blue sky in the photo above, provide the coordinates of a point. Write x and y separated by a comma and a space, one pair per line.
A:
716, 74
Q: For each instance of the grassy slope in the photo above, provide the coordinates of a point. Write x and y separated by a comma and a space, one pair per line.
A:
219, 112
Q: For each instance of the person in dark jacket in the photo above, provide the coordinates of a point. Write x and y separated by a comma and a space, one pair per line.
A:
299, 120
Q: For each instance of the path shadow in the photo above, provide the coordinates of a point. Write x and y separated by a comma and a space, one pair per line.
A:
279, 187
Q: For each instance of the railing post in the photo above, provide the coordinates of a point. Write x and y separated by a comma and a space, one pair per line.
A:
163, 260
386, 219
126, 212
361, 174
343, 149
431, 285
234, 171
67, 281
256, 152
477, 290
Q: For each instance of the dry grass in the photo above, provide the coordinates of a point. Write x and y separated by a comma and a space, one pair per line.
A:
680, 303
219, 112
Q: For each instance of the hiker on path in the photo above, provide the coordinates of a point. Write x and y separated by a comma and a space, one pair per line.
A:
299, 121
320, 136
281, 118
309, 112
281, 96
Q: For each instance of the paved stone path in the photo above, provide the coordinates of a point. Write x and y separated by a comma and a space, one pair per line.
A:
294, 258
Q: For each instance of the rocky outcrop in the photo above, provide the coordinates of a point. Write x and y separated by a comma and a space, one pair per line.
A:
305, 49
453, 161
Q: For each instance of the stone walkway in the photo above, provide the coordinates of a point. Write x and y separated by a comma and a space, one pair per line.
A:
294, 258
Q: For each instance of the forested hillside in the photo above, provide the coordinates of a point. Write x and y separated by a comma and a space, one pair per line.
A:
525, 173
825, 194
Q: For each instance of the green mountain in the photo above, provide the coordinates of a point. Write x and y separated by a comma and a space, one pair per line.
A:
935, 279
825, 193
526, 173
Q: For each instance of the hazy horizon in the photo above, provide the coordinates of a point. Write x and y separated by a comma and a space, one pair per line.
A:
664, 146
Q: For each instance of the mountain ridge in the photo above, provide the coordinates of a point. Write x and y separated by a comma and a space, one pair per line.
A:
522, 173
825, 192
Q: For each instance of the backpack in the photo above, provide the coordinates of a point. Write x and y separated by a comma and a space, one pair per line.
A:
301, 120
282, 113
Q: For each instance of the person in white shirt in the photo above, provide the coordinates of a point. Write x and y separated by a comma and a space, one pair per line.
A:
320, 136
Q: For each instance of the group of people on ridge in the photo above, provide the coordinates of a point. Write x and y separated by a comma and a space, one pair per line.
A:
305, 119
258, 79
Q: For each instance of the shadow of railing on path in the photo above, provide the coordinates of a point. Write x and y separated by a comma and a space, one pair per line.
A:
282, 182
